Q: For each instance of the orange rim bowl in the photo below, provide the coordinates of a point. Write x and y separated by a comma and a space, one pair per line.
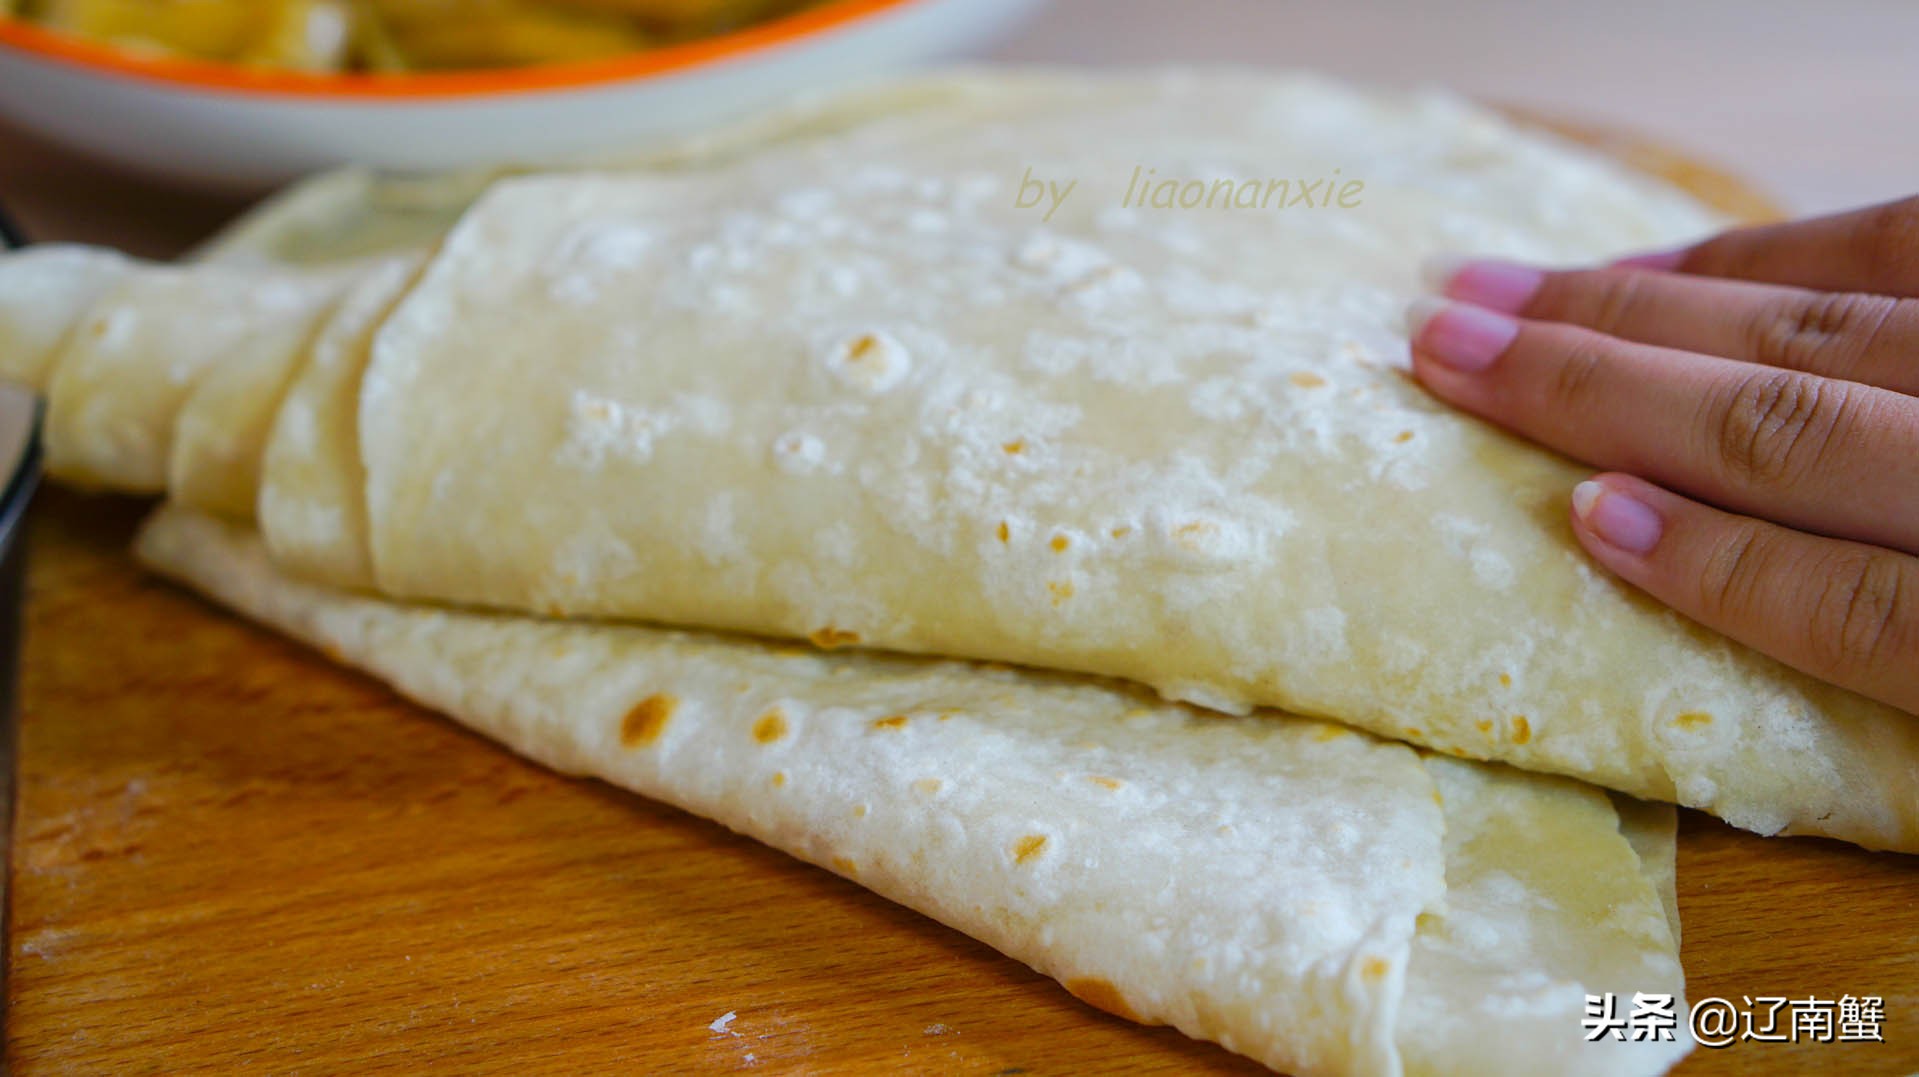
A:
233, 80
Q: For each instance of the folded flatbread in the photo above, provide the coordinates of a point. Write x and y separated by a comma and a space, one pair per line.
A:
855, 390
878, 388
867, 374
1319, 899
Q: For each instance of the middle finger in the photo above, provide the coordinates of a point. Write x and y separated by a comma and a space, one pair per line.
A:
1813, 453
1872, 339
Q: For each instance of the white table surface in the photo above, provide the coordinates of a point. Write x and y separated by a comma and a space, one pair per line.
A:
1817, 103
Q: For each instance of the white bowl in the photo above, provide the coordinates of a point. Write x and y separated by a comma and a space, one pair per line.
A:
216, 125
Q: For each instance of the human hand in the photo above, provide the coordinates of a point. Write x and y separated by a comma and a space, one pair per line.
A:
1754, 403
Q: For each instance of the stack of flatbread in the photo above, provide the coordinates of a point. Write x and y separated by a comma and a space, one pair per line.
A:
1093, 491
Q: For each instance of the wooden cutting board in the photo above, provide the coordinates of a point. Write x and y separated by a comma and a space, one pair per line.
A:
229, 854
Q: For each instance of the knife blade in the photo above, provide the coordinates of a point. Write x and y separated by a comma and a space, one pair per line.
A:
11, 234
20, 467
20, 473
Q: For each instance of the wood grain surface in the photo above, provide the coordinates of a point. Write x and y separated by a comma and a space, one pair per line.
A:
229, 855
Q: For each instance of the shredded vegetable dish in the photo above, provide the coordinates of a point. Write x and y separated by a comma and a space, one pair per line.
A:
395, 35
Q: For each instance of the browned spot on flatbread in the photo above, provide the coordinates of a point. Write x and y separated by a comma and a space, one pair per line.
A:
891, 721
1028, 847
1328, 732
1104, 782
1059, 543
1014, 448
647, 720
928, 786
1403, 436
770, 727
1194, 535
1061, 590
778, 779
862, 347
1522, 729
1005, 533
1374, 968
1306, 379
1693, 720
845, 866
1485, 725
1505, 680
1122, 531
1100, 994
831, 638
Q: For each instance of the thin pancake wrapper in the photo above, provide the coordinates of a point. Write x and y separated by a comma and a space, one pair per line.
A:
842, 386
889, 387
1285, 887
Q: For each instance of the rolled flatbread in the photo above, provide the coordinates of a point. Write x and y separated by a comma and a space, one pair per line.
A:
121, 383
311, 483
831, 376
43, 292
1310, 896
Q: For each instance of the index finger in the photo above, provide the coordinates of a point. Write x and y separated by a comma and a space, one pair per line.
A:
1873, 250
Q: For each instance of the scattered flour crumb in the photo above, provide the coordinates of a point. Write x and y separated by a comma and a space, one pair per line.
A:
722, 1025
798, 453
869, 362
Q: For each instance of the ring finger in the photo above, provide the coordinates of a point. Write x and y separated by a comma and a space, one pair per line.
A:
1843, 612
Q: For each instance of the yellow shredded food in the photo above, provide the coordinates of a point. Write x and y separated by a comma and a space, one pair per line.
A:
395, 35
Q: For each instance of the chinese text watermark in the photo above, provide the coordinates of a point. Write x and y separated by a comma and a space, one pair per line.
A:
1718, 1022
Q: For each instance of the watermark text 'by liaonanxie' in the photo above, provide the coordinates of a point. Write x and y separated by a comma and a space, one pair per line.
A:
1147, 189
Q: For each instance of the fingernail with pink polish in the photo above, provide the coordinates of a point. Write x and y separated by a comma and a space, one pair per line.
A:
1660, 261
1620, 520
1466, 339
1501, 286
